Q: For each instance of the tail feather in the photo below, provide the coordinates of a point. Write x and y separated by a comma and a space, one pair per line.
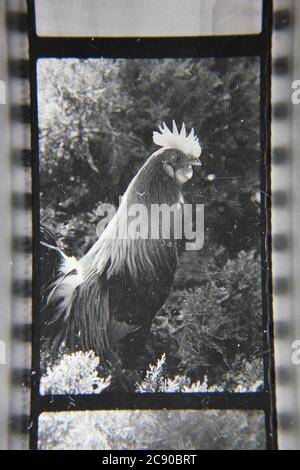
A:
77, 308
90, 310
60, 276
69, 277
50, 259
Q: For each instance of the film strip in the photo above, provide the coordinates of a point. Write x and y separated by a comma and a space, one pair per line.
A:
21, 223
283, 221
283, 228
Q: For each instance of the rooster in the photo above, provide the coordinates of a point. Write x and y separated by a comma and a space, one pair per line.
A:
111, 295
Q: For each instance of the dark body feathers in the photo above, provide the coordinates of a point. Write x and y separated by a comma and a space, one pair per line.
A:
124, 281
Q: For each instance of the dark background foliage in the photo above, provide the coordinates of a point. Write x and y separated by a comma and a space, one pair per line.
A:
96, 119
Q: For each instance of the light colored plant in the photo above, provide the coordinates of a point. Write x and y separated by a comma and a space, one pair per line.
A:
76, 374
154, 376
155, 381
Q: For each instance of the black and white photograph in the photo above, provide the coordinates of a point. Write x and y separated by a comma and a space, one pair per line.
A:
154, 430
149, 239
150, 225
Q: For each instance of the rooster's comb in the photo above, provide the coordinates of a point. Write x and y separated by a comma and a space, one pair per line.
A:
188, 144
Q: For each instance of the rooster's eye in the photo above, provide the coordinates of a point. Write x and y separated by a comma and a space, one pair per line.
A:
168, 169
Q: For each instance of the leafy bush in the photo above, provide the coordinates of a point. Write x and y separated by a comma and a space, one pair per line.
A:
74, 374
79, 373
248, 375
155, 381
204, 330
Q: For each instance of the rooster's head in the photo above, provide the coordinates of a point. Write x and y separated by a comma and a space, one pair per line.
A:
179, 152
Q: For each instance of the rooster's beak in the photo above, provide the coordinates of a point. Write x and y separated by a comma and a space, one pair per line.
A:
195, 162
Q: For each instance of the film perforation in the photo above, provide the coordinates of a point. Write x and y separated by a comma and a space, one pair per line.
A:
281, 66
22, 332
22, 201
21, 113
280, 242
284, 376
21, 376
19, 68
282, 329
281, 111
280, 155
282, 19
288, 422
22, 158
22, 245
281, 286
17, 21
19, 424
22, 288
280, 198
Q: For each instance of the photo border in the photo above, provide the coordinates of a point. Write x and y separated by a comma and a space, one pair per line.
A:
258, 45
